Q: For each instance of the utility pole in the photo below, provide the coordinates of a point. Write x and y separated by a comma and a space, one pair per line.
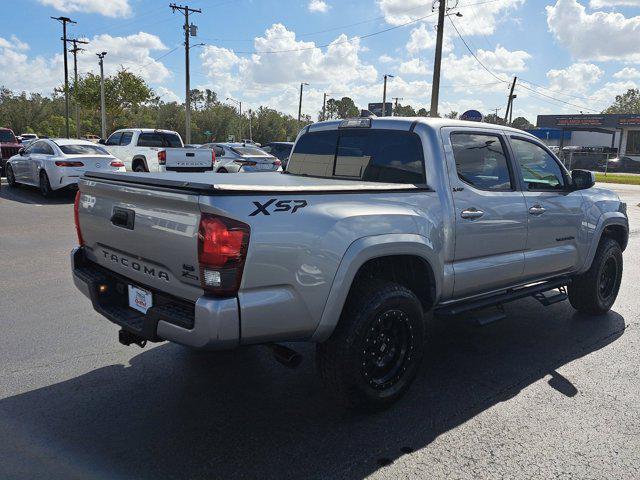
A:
324, 108
300, 103
75, 51
395, 111
435, 87
189, 30
384, 95
239, 104
250, 130
103, 113
508, 116
64, 21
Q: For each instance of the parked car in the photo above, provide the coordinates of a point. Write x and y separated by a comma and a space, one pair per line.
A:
53, 164
92, 138
280, 150
377, 223
152, 150
622, 165
28, 137
9, 146
242, 158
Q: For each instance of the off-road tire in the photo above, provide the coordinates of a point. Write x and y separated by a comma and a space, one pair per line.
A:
222, 170
140, 168
595, 291
45, 185
11, 178
340, 359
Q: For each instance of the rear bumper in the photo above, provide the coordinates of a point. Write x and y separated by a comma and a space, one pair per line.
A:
170, 168
209, 323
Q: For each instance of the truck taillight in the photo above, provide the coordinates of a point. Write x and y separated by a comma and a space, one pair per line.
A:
162, 157
213, 157
76, 218
222, 251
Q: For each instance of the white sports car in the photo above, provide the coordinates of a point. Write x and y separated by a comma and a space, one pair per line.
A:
56, 163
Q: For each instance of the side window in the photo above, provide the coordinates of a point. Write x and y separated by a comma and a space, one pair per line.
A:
114, 139
481, 161
46, 149
126, 138
36, 148
539, 170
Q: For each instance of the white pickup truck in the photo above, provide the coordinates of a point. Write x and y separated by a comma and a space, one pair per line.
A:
152, 150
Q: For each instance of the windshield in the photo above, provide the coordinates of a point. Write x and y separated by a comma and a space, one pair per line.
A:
249, 151
83, 150
390, 156
7, 137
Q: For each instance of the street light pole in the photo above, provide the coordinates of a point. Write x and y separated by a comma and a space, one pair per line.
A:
384, 96
300, 103
103, 114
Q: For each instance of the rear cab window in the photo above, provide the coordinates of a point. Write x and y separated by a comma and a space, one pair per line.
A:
159, 139
372, 155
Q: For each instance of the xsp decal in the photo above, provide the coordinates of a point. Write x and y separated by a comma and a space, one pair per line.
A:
281, 206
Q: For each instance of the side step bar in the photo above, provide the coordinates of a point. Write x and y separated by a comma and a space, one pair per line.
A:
536, 291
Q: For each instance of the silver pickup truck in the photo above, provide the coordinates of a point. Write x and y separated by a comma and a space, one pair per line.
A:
375, 225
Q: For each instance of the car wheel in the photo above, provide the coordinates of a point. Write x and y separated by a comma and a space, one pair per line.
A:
374, 353
223, 170
595, 291
11, 178
45, 186
140, 168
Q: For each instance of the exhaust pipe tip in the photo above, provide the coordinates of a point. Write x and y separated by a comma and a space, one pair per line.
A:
286, 356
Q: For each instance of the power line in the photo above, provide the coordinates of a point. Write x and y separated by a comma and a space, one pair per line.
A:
581, 107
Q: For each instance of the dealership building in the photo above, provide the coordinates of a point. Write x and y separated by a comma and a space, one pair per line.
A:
619, 132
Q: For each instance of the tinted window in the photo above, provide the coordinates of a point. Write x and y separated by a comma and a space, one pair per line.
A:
82, 150
41, 148
539, 169
371, 155
481, 161
126, 138
248, 151
219, 151
633, 142
114, 139
159, 139
7, 137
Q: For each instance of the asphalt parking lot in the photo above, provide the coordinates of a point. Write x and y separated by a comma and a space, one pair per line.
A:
545, 393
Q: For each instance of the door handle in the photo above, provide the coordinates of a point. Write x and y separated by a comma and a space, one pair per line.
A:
537, 210
471, 214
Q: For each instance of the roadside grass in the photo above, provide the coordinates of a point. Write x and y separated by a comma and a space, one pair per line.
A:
618, 178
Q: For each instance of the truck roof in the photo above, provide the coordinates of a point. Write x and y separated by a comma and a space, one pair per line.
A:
146, 130
406, 123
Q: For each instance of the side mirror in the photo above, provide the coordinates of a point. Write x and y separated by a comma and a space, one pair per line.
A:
102, 141
583, 179
21, 151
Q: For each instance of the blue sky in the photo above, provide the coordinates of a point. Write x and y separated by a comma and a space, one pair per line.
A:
572, 55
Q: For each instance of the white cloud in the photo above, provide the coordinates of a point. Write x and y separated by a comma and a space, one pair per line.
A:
414, 66
503, 60
599, 36
133, 52
477, 19
627, 73
384, 58
318, 6
17, 69
424, 38
613, 3
108, 8
577, 78
167, 95
606, 95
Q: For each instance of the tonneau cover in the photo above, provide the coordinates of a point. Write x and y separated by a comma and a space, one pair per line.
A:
213, 183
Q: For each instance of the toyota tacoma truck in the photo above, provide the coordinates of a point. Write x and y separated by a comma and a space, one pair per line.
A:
375, 225
153, 150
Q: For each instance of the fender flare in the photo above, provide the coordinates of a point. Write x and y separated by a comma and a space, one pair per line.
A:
360, 252
606, 219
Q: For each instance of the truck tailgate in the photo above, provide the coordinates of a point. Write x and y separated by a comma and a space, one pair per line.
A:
189, 159
148, 236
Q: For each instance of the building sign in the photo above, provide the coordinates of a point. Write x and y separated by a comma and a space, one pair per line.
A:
629, 121
580, 121
471, 116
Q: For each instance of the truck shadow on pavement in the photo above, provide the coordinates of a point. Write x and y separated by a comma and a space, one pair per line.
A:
173, 413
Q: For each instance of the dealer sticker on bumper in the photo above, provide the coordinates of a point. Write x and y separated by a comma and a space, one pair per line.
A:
140, 299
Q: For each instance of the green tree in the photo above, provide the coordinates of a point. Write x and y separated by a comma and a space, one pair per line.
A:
453, 115
627, 103
422, 112
404, 111
522, 123
493, 118
343, 108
